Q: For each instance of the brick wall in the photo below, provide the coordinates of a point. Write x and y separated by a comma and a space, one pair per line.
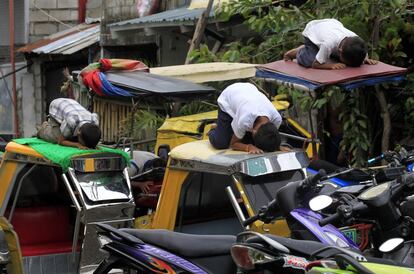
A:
42, 25
121, 10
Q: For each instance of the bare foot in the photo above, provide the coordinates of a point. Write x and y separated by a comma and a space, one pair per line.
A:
291, 54
213, 125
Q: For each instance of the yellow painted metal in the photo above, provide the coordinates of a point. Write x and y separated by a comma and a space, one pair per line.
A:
278, 227
244, 197
298, 127
281, 104
180, 130
306, 134
165, 215
144, 222
89, 165
22, 149
7, 172
16, 265
208, 72
187, 124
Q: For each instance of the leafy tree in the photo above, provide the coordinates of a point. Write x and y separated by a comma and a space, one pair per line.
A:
386, 25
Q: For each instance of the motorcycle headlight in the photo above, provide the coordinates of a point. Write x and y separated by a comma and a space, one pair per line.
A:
374, 192
245, 257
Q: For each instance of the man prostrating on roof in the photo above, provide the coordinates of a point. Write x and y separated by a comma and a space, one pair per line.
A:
70, 124
247, 121
328, 38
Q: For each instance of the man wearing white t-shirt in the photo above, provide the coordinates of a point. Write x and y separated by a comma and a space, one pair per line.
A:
247, 120
327, 39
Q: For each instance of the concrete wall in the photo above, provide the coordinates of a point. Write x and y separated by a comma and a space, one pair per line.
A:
6, 106
28, 100
50, 16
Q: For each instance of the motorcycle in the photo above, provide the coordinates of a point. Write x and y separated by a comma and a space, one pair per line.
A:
256, 253
163, 251
291, 200
388, 206
343, 263
263, 254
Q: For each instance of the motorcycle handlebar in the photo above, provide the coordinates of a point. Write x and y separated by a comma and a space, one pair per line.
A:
314, 179
264, 212
346, 212
329, 219
251, 220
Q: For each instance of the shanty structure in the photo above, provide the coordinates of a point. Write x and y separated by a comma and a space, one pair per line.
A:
73, 48
145, 89
65, 42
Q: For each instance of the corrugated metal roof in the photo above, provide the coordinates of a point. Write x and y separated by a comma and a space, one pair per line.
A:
171, 17
67, 41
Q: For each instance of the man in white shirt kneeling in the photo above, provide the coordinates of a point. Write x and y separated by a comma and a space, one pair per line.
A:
247, 121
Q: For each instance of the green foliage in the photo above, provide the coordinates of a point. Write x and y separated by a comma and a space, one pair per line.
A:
386, 25
142, 124
409, 106
281, 26
195, 107
356, 140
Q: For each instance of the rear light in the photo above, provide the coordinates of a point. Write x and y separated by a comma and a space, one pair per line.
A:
246, 257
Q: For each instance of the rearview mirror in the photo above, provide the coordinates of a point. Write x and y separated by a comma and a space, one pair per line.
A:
391, 245
320, 202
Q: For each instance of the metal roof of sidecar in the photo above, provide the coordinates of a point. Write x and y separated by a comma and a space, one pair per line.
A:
207, 72
147, 84
25, 153
15, 151
200, 156
143, 84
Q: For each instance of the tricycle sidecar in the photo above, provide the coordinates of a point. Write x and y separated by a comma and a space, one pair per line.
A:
193, 197
48, 211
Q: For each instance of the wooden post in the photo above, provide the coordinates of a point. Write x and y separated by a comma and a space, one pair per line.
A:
199, 30
386, 119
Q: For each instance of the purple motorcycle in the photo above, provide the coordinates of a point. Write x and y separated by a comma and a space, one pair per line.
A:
163, 251
145, 251
292, 202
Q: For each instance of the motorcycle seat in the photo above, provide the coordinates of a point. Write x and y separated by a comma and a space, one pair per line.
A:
185, 245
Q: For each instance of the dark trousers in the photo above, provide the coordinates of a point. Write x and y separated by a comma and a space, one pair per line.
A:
306, 55
220, 136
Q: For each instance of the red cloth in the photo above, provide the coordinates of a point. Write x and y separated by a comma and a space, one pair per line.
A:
91, 73
105, 64
330, 77
93, 81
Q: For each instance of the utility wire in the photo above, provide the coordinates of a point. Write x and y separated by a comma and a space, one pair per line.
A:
55, 19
